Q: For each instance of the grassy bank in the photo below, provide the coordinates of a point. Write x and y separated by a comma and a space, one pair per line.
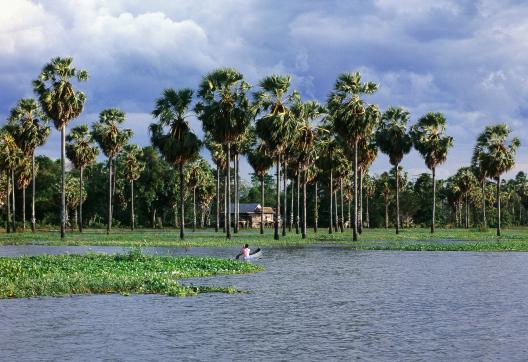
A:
133, 273
408, 239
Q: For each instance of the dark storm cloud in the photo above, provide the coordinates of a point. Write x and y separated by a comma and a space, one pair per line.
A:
467, 59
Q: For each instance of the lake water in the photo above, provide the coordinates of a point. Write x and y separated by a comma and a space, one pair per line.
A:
313, 303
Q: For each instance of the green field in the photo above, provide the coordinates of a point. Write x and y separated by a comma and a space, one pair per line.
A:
515, 239
132, 273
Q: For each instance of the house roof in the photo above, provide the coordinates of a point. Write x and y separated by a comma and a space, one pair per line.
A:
252, 209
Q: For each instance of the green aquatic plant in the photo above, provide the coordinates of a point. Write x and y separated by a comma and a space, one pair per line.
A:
132, 273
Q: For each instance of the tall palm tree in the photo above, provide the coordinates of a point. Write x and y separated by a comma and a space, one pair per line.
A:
10, 156
368, 185
260, 160
23, 178
133, 165
276, 126
367, 153
173, 137
81, 151
384, 180
305, 113
353, 119
219, 158
62, 103
394, 140
30, 129
429, 139
111, 139
225, 112
480, 174
465, 180
496, 156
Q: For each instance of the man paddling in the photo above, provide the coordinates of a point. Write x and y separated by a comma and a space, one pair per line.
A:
244, 252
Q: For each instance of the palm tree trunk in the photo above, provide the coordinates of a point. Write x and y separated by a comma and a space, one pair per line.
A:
360, 226
367, 212
109, 222
225, 200
228, 209
292, 198
355, 230
285, 188
434, 201
467, 212
386, 212
217, 225
182, 210
316, 209
277, 204
63, 175
24, 209
303, 230
81, 200
341, 225
132, 214
262, 204
76, 217
33, 219
498, 208
13, 201
194, 209
336, 223
298, 211
8, 204
484, 221
235, 190
331, 197
349, 215
397, 199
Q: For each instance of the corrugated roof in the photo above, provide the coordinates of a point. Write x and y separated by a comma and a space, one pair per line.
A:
252, 208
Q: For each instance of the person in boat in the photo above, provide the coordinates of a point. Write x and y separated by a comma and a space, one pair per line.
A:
245, 251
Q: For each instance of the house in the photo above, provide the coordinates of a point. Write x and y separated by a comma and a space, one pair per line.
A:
250, 215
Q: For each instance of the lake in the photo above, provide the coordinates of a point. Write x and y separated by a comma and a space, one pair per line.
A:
312, 303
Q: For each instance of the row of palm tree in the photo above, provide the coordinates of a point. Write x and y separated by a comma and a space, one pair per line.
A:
334, 143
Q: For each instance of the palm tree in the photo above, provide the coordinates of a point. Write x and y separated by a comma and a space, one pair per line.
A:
305, 113
173, 137
219, 158
496, 156
62, 103
225, 112
367, 153
111, 139
30, 129
393, 140
368, 185
81, 152
23, 177
429, 138
276, 126
260, 160
480, 174
131, 157
384, 180
10, 156
74, 195
465, 180
353, 119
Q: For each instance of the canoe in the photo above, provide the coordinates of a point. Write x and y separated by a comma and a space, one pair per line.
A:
257, 254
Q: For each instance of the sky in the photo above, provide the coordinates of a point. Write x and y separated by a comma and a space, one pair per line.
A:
466, 59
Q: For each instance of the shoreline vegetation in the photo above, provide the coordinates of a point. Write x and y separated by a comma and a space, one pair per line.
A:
131, 273
416, 239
